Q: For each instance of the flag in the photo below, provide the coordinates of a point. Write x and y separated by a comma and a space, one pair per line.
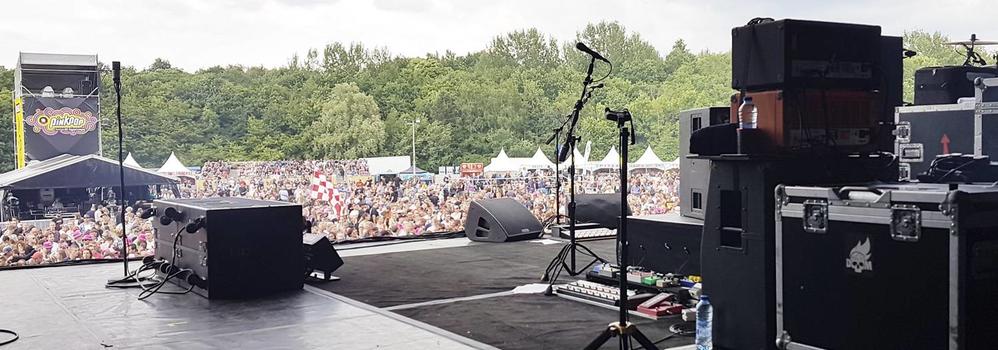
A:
324, 188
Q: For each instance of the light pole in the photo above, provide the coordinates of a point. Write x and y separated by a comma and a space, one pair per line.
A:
414, 122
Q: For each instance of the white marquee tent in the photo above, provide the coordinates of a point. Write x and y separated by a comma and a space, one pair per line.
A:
502, 164
581, 160
539, 161
610, 161
387, 165
174, 167
648, 160
130, 161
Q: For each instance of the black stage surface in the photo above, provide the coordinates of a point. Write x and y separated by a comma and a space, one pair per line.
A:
457, 297
400, 278
415, 284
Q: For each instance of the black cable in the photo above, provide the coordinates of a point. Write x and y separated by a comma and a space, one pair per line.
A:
760, 20
607, 73
131, 277
943, 167
11, 340
686, 329
149, 291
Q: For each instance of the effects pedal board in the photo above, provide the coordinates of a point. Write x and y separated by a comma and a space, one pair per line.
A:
660, 305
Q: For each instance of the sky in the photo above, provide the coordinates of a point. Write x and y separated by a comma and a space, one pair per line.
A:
194, 34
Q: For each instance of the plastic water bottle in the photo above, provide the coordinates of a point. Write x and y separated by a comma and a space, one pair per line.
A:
748, 115
705, 318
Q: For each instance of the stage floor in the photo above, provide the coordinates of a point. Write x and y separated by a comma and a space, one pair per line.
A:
467, 288
69, 308
440, 294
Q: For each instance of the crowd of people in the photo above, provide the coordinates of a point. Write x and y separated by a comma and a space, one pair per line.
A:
87, 236
363, 207
388, 206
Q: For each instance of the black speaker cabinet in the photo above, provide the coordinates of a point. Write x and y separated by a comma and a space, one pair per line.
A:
599, 208
665, 243
738, 247
693, 172
793, 54
242, 247
500, 220
320, 254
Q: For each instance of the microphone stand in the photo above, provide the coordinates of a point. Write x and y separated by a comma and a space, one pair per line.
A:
556, 138
116, 66
622, 328
558, 264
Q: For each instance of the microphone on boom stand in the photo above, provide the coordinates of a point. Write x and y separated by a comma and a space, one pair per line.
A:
564, 151
582, 47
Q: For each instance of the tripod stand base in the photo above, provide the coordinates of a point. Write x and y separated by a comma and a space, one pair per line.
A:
625, 331
558, 264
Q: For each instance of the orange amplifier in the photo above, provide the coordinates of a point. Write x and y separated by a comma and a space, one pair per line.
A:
795, 121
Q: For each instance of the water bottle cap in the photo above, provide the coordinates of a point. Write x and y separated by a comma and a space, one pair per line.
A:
748, 99
704, 297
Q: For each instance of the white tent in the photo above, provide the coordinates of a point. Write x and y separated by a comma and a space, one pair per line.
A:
174, 167
610, 161
130, 161
539, 161
580, 160
648, 160
501, 164
387, 165
673, 164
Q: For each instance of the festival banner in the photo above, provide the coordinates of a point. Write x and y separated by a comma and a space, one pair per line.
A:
50, 126
472, 169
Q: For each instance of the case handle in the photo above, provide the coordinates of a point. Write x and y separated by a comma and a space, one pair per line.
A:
843, 193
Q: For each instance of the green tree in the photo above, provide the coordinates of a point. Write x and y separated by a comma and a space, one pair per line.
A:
6, 126
349, 126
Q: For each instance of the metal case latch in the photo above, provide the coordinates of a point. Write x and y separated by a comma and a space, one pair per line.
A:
904, 172
902, 132
815, 216
906, 223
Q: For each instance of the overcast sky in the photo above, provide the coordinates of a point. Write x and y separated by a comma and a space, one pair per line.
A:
194, 34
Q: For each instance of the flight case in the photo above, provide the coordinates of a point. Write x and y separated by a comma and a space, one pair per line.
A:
887, 266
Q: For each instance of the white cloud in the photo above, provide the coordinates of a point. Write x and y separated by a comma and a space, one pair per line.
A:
194, 34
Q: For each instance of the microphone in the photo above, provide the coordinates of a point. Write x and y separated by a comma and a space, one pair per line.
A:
564, 151
116, 68
582, 47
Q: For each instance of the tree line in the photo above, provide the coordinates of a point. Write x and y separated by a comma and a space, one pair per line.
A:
349, 100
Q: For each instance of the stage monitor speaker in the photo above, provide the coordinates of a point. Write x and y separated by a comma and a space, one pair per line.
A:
236, 247
320, 254
693, 172
500, 220
602, 209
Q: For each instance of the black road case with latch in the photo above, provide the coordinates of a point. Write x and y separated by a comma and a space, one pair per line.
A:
924, 132
887, 266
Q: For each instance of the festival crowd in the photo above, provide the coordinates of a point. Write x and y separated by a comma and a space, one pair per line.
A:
369, 207
91, 235
364, 206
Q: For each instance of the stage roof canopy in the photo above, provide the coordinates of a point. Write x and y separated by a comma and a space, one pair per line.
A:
71, 171
29, 60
